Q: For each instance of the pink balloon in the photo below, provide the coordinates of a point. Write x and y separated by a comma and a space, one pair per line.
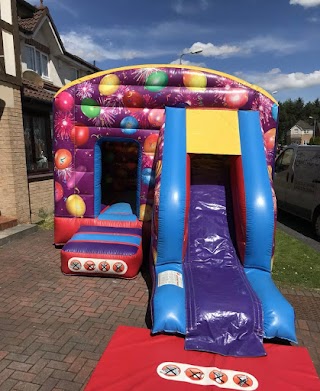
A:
64, 101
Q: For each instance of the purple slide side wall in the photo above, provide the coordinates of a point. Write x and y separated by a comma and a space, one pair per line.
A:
223, 313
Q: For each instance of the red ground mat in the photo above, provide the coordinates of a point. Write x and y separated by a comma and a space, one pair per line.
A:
134, 360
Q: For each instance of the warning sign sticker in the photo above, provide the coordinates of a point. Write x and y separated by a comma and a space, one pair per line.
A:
170, 277
207, 376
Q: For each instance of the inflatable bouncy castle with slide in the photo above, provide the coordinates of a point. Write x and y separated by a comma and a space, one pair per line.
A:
180, 159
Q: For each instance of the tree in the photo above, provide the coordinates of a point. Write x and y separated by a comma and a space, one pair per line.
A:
291, 111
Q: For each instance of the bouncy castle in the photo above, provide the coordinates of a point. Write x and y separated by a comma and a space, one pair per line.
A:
179, 158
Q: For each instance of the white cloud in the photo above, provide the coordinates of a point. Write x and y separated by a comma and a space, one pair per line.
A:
276, 80
183, 7
255, 45
211, 50
306, 3
313, 19
85, 46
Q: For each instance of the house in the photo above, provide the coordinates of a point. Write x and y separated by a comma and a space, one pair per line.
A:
300, 133
35, 65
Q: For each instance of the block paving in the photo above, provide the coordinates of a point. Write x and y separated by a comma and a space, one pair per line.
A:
54, 328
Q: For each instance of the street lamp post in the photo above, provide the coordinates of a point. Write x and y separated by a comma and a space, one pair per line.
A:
193, 52
314, 126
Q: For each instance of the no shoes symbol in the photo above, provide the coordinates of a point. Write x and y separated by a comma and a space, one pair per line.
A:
194, 374
104, 266
118, 267
75, 265
90, 265
170, 370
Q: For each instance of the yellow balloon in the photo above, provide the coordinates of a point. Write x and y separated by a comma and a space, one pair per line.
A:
145, 212
158, 168
195, 80
75, 205
109, 84
154, 255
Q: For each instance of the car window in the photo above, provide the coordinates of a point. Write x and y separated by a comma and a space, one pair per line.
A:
284, 160
307, 164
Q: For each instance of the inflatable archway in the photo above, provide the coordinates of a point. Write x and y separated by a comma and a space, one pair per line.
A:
192, 150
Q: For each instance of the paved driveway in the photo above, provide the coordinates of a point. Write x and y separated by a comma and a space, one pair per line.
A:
53, 328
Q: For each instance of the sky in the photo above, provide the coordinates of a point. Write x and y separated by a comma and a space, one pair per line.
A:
271, 43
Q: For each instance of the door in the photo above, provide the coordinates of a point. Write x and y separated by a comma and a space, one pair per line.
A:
282, 178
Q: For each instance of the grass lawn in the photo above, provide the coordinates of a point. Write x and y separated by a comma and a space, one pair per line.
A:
295, 263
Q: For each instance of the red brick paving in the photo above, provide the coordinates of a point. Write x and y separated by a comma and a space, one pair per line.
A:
53, 328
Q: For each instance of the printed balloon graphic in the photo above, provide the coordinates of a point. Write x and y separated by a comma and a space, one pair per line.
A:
109, 84
129, 125
79, 135
156, 117
156, 81
145, 212
150, 144
158, 168
236, 98
75, 177
275, 111
64, 101
147, 176
62, 159
154, 255
132, 98
75, 205
58, 191
90, 108
195, 80
269, 138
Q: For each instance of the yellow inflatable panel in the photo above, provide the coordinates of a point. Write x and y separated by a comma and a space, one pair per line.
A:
213, 131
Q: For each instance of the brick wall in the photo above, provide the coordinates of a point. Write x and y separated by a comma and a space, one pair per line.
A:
14, 198
41, 198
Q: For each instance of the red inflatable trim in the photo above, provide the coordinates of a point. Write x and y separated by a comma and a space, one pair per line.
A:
133, 263
132, 357
239, 204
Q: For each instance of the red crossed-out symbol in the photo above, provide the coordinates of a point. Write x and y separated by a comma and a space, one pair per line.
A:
218, 376
242, 380
194, 374
170, 370
118, 267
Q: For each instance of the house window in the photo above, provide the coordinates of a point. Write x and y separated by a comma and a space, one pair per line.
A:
37, 61
8, 53
75, 74
6, 11
37, 138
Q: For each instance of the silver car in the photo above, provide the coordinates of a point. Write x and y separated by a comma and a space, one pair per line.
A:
297, 182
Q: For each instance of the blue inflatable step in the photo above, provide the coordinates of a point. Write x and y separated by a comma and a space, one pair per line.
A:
118, 212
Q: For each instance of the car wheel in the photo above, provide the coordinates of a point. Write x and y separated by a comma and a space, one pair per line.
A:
316, 224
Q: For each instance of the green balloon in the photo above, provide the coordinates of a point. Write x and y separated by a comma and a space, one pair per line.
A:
90, 108
156, 81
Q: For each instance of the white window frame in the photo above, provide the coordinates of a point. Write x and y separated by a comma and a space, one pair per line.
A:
34, 61
76, 72
6, 11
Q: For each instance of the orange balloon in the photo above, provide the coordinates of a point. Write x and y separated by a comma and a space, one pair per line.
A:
62, 159
150, 143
